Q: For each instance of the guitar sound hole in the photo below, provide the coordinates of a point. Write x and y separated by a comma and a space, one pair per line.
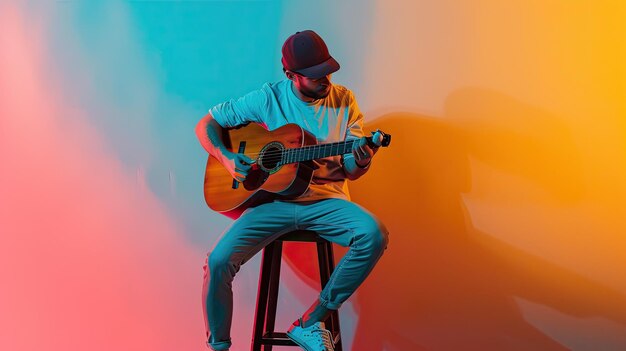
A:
271, 157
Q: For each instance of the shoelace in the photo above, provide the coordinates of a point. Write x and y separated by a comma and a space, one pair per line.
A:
325, 338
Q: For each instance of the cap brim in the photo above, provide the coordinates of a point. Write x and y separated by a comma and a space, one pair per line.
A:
321, 70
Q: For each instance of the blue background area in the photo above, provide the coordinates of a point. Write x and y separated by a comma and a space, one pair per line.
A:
158, 66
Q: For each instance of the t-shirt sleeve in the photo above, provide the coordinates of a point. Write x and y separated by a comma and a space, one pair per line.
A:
248, 108
355, 121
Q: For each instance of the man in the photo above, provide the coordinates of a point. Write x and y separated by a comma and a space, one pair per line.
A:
330, 112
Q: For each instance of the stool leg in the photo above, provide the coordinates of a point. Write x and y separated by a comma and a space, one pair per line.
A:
327, 266
273, 291
335, 315
262, 297
324, 263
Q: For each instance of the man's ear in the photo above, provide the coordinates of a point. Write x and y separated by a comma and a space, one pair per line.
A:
288, 74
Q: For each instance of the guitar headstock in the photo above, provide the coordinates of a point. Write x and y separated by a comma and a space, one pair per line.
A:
385, 141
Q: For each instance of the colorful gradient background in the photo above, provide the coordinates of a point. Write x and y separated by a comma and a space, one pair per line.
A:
504, 188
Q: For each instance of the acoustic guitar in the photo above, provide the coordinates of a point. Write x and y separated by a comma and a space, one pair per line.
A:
283, 166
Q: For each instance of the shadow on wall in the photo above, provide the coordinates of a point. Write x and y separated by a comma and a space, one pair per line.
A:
442, 284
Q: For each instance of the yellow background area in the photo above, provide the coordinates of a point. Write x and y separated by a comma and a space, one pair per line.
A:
505, 185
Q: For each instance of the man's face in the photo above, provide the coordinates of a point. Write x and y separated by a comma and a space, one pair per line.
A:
313, 88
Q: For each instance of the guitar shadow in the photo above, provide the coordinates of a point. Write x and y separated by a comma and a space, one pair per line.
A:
443, 284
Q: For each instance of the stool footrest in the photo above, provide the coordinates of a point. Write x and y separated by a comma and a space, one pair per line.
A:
278, 338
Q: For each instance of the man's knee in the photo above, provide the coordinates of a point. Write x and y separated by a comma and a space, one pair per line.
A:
381, 238
205, 266
376, 236
219, 263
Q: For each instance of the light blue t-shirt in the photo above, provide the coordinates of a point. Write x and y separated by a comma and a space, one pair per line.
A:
334, 118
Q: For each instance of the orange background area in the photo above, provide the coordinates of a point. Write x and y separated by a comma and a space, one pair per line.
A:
505, 185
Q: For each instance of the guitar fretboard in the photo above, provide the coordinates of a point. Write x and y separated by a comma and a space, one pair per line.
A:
312, 152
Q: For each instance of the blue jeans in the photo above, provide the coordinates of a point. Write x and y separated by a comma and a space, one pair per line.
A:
336, 220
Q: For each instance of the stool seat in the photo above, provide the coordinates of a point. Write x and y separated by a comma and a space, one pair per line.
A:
264, 336
303, 236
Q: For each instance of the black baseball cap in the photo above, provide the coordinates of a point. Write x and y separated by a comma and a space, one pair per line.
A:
306, 53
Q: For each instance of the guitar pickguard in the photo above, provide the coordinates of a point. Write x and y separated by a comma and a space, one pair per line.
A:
255, 179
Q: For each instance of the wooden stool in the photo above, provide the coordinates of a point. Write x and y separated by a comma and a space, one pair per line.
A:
264, 336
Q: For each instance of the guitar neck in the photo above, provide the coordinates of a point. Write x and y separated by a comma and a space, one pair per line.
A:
313, 152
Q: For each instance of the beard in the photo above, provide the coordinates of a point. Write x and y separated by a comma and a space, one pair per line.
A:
315, 93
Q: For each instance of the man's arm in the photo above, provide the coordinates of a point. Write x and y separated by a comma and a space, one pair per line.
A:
209, 133
357, 163
353, 171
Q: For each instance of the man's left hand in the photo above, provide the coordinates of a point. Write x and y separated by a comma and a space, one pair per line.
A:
362, 152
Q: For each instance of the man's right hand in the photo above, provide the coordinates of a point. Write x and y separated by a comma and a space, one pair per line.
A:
238, 165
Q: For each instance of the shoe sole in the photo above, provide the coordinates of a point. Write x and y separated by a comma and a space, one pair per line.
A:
298, 342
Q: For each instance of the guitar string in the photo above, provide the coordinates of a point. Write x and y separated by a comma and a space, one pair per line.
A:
307, 148
311, 147
303, 148
279, 154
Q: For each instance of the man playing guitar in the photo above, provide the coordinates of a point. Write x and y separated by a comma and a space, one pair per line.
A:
330, 113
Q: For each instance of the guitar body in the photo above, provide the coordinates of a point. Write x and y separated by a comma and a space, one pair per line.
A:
268, 181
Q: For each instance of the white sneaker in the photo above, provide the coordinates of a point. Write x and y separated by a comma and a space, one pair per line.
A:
312, 338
